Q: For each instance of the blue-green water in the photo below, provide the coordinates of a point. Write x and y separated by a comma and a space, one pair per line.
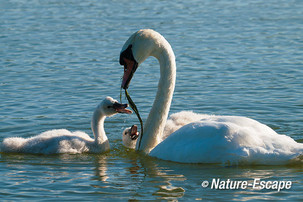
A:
59, 59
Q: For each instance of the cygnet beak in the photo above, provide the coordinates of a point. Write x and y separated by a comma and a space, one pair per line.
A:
121, 108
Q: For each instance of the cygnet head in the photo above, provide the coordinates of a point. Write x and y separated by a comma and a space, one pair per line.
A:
110, 106
130, 136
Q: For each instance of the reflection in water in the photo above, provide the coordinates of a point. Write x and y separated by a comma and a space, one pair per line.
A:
144, 176
164, 176
140, 175
170, 192
123, 174
101, 167
159, 176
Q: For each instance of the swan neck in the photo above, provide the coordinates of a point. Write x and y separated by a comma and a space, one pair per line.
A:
157, 117
97, 125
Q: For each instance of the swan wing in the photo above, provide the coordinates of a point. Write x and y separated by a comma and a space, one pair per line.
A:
227, 140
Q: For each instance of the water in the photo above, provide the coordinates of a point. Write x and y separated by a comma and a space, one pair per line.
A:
59, 59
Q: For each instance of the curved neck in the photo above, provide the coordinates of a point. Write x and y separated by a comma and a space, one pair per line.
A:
155, 123
97, 125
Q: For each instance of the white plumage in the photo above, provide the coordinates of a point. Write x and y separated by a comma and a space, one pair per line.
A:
188, 137
64, 141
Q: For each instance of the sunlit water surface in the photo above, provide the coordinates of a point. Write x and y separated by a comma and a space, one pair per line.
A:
59, 59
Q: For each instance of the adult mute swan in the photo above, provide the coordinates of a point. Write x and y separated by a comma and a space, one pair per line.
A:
211, 139
64, 141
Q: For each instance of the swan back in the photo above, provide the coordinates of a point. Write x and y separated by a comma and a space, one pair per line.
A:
49, 142
228, 140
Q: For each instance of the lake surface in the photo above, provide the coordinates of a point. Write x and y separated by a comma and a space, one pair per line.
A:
59, 59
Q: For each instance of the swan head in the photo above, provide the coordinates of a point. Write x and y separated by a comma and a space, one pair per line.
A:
130, 136
137, 48
110, 106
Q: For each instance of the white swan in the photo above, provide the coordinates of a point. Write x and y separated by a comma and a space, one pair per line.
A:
64, 141
213, 139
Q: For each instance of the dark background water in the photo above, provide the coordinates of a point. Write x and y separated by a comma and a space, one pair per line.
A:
59, 59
